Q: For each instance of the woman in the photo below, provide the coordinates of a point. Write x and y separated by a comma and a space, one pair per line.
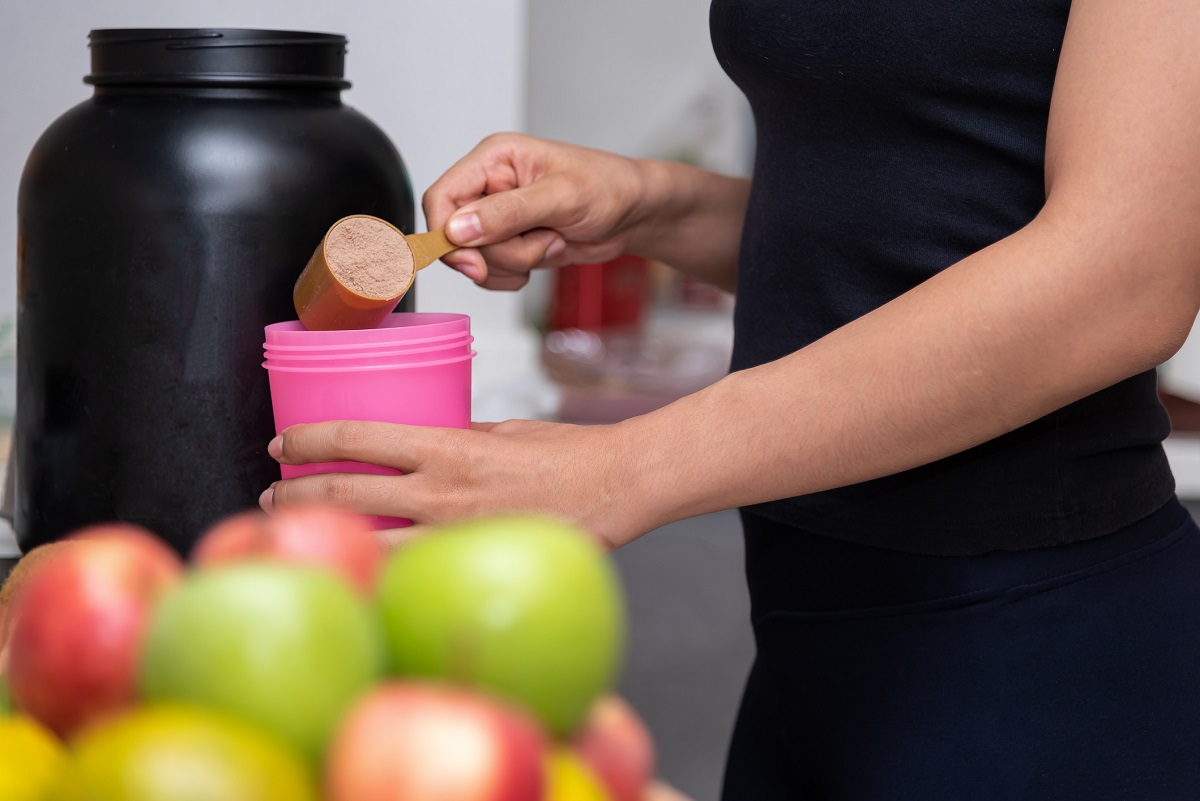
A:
970, 236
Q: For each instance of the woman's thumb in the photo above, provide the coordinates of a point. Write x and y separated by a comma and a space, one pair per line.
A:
496, 218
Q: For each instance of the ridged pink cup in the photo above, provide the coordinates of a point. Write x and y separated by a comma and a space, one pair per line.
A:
369, 376
370, 358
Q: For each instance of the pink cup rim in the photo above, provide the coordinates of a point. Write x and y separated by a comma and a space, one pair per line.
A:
451, 338
367, 368
424, 358
271, 356
398, 326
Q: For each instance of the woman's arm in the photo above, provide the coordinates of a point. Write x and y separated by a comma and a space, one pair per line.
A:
1103, 284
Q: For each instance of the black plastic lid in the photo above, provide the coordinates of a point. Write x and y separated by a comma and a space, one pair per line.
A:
217, 57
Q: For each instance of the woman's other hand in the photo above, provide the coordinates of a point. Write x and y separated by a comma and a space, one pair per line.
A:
576, 473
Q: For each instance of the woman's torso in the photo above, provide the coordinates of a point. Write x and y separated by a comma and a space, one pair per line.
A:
894, 139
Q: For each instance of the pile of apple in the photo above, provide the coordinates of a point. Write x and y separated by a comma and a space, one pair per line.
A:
292, 659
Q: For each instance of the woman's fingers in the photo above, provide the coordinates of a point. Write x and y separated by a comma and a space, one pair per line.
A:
468, 179
496, 196
498, 165
392, 538
516, 203
453, 474
545, 203
509, 263
365, 493
385, 444
469, 262
404, 448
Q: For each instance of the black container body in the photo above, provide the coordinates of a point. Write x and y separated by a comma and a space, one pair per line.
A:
160, 227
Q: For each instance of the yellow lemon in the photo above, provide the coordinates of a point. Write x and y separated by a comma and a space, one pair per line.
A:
568, 779
30, 759
172, 752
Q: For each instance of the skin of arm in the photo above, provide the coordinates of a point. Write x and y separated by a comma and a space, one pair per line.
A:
1104, 283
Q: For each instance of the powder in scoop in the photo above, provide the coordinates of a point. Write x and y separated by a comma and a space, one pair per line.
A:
369, 257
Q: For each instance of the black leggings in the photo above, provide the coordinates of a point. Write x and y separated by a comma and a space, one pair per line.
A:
1056, 674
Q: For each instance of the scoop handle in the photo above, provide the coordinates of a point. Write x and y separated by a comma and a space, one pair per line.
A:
428, 247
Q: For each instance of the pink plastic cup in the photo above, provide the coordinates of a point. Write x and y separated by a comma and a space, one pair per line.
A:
405, 388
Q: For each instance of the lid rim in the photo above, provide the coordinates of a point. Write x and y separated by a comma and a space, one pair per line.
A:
130, 35
239, 57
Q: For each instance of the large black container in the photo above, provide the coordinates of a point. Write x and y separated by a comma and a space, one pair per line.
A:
161, 225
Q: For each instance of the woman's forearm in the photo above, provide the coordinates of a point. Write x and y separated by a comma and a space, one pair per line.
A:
692, 220
1003, 337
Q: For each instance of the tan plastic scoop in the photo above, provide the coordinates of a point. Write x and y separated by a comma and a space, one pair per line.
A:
359, 272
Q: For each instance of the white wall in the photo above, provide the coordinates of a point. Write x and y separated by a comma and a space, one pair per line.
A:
634, 77
437, 76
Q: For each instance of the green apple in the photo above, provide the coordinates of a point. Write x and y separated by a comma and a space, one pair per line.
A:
526, 608
283, 646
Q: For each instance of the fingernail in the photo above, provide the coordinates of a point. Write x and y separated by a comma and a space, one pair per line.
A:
275, 448
267, 499
470, 271
556, 248
464, 229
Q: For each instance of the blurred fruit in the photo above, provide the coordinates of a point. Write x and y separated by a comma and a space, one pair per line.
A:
320, 536
80, 621
617, 746
569, 779
168, 752
30, 759
285, 647
13, 585
5, 704
526, 608
410, 741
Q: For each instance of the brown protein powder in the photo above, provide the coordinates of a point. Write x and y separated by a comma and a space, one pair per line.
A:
369, 257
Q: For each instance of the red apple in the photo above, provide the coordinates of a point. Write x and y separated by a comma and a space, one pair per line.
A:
320, 536
78, 625
13, 586
413, 741
617, 746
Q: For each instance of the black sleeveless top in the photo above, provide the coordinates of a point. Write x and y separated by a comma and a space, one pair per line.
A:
894, 138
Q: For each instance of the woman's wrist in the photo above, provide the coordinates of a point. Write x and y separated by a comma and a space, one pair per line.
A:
663, 455
632, 495
663, 200
690, 219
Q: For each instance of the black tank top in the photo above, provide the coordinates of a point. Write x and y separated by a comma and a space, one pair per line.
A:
894, 138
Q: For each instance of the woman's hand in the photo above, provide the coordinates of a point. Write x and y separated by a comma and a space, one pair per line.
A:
575, 473
526, 203
517, 203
